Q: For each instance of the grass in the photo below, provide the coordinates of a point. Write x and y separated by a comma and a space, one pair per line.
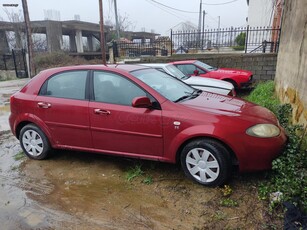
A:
228, 202
134, 172
264, 95
19, 156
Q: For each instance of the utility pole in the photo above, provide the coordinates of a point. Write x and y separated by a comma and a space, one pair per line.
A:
199, 21
203, 34
102, 40
29, 37
116, 20
218, 31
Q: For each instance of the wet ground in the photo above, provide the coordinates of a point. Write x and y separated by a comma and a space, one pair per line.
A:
76, 190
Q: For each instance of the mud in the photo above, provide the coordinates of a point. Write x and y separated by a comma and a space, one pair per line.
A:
77, 190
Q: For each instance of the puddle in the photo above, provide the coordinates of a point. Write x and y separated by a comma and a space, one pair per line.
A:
75, 190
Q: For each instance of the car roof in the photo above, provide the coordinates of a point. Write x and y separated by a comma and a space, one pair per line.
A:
122, 67
155, 64
183, 62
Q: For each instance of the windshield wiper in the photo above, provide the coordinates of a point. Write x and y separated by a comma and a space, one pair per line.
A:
194, 94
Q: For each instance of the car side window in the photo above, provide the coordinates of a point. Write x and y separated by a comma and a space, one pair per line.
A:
70, 84
115, 89
187, 69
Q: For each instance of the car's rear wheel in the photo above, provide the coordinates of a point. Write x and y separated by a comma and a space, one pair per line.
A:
34, 142
206, 161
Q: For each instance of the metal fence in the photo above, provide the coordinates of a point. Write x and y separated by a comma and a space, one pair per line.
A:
145, 48
15, 61
247, 39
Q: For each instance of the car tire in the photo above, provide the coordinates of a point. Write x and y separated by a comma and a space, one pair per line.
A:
235, 85
34, 142
206, 161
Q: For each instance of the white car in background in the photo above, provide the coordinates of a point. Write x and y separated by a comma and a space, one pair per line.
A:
206, 84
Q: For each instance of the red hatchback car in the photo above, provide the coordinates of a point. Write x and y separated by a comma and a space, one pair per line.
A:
136, 111
239, 78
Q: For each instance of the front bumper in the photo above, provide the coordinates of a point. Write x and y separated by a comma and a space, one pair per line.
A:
248, 84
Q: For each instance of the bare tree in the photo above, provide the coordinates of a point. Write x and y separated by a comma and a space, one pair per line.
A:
125, 24
187, 26
17, 38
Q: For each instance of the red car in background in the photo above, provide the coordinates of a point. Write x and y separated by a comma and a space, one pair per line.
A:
241, 79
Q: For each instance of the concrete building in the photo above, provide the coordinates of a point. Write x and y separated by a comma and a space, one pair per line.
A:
265, 14
54, 32
291, 72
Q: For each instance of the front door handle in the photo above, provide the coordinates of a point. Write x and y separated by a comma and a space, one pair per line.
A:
102, 111
44, 105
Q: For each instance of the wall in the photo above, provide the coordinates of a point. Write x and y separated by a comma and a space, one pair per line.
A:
291, 76
263, 66
260, 13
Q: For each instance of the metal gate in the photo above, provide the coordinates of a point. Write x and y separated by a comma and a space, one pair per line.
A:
20, 63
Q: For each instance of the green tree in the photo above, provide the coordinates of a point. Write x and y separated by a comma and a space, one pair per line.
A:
240, 39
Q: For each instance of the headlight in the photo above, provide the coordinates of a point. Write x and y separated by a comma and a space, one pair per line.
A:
263, 130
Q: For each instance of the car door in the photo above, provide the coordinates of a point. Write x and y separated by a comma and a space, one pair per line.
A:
63, 106
116, 126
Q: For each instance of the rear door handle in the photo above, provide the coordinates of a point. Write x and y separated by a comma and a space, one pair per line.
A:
102, 111
44, 105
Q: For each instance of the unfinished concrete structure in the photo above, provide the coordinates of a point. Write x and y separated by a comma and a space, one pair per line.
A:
54, 31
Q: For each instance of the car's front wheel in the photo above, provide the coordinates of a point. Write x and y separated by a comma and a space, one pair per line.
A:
206, 161
34, 142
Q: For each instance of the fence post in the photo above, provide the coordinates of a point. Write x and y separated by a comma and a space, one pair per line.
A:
15, 62
246, 38
171, 42
4, 61
23, 52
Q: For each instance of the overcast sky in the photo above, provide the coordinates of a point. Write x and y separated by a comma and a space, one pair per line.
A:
144, 14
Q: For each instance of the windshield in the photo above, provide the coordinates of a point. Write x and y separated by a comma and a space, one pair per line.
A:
168, 86
205, 66
176, 72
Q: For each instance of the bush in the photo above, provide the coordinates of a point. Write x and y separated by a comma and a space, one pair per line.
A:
289, 170
56, 59
240, 39
238, 47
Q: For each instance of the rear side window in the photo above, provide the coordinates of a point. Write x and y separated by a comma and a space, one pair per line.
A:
69, 85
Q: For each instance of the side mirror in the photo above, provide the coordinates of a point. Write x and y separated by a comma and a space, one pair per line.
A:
141, 102
196, 72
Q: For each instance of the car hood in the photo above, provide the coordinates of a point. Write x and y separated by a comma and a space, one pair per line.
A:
230, 106
229, 71
201, 81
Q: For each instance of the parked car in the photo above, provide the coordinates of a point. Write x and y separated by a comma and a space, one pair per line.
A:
136, 111
206, 84
241, 79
